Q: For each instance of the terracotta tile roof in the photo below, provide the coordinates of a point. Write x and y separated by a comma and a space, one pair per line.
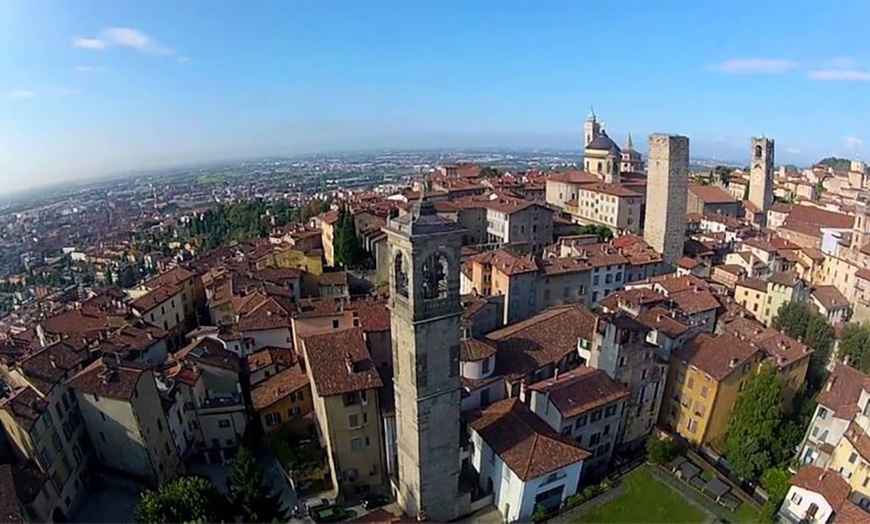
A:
580, 391
172, 277
267, 315
859, 440
574, 177
373, 314
25, 406
617, 190
506, 262
508, 205
851, 513
48, 367
753, 283
712, 194
688, 263
785, 278
780, 347
278, 387
541, 340
734, 269
842, 391
75, 321
716, 355
329, 217
472, 349
820, 217
826, 483
523, 441
320, 307
340, 362
662, 320
210, 352
830, 297
334, 278
695, 300
638, 297
277, 275
111, 380
154, 298
10, 505
863, 273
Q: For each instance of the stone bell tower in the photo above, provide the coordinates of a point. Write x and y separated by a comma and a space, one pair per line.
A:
424, 317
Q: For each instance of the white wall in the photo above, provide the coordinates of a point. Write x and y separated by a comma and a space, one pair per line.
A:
279, 338
796, 510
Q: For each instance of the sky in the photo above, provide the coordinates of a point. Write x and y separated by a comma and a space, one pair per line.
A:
93, 88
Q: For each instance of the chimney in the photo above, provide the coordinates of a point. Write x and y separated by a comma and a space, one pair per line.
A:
348, 361
831, 383
53, 361
556, 373
733, 362
523, 390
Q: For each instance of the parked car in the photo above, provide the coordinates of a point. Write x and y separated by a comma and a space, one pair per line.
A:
329, 514
310, 506
371, 501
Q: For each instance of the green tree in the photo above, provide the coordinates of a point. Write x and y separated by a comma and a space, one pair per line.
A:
775, 482
798, 320
348, 250
185, 499
314, 208
855, 344
489, 172
836, 163
604, 233
722, 174
661, 451
751, 445
250, 496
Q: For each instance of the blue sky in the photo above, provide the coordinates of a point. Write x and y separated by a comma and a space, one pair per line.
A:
94, 88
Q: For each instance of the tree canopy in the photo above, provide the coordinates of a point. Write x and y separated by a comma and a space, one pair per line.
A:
798, 320
185, 499
752, 443
489, 172
348, 249
836, 162
250, 496
855, 344
604, 233
722, 174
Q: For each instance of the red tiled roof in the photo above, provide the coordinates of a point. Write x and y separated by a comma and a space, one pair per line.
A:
267, 315
716, 355
210, 352
842, 391
117, 381
334, 278
851, 513
574, 177
25, 406
580, 391
472, 349
373, 314
523, 441
328, 355
278, 387
753, 283
830, 297
712, 194
541, 340
506, 262
695, 300
46, 368
826, 483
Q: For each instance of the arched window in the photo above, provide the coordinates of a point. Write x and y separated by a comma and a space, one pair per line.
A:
758, 151
400, 273
435, 276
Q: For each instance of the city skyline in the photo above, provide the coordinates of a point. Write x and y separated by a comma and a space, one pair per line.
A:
119, 87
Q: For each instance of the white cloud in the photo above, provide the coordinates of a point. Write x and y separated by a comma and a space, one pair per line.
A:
124, 37
840, 75
22, 93
88, 69
841, 62
853, 142
794, 151
740, 66
89, 43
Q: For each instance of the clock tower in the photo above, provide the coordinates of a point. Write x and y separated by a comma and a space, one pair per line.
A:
761, 175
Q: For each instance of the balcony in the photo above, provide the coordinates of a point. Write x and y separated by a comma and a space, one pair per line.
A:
222, 402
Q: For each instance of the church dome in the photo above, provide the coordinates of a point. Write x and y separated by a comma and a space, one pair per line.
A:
602, 142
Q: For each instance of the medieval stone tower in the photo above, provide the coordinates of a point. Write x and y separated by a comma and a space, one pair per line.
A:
761, 175
424, 316
666, 193
861, 225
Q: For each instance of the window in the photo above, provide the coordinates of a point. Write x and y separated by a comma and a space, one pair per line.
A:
356, 444
705, 391
566, 430
595, 280
606, 430
159, 426
224, 423
486, 365
273, 419
351, 398
55, 441
691, 383
335, 324
823, 413
353, 421
596, 415
47, 459
580, 422
294, 412
852, 458
609, 411
594, 440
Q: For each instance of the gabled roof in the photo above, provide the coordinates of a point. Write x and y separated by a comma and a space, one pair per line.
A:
581, 391
523, 441
716, 355
826, 483
267, 315
117, 380
340, 362
842, 391
278, 387
25, 406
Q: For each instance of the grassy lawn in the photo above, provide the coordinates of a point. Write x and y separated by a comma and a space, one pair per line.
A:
645, 499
